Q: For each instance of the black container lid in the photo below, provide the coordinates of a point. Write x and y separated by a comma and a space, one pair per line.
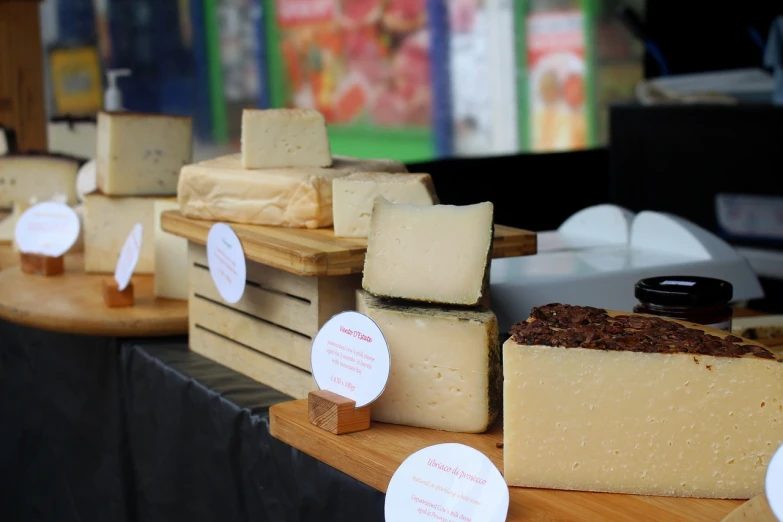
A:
684, 291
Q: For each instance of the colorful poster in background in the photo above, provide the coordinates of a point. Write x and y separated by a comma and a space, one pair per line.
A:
557, 68
76, 79
357, 61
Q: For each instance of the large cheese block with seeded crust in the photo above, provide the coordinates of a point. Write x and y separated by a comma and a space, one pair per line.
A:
624, 403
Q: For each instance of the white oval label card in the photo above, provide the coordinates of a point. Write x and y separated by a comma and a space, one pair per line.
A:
129, 256
48, 229
350, 357
448, 482
226, 262
774, 483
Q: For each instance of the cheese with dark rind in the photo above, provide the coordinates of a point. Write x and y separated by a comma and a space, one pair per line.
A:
445, 365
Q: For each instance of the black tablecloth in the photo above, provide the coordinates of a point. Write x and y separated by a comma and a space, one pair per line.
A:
101, 429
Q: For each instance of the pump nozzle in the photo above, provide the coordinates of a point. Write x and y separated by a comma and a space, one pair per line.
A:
112, 100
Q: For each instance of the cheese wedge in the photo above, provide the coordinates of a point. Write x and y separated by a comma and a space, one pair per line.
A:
621, 403
142, 154
222, 190
281, 138
445, 365
436, 254
107, 223
171, 257
354, 196
37, 176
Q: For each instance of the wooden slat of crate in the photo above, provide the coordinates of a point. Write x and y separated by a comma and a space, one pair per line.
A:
282, 344
259, 367
277, 317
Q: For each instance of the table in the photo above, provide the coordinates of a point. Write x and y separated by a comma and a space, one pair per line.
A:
73, 303
150, 431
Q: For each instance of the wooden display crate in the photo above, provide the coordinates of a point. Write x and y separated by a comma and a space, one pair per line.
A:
297, 279
268, 333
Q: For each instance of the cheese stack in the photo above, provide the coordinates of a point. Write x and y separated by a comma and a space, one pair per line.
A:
283, 177
139, 157
425, 276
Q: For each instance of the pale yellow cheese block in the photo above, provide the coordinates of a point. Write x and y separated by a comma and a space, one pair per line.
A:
354, 195
640, 423
283, 138
445, 365
107, 223
435, 254
171, 257
222, 189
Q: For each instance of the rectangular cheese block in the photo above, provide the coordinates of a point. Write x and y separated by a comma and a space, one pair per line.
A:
142, 154
41, 176
353, 197
73, 136
445, 365
613, 407
171, 257
107, 223
279, 138
222, 190
436, 254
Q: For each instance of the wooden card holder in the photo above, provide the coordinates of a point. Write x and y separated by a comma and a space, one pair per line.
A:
336, 414
113, 297
41, 264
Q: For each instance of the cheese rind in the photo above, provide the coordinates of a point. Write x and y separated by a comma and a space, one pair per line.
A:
41, 176
222, 190
171, 257
435, 254
107, 223
142, 154
668, 424
445, 365
354, 195
281, 138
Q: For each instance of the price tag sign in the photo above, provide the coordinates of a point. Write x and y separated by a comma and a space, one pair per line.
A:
48, 229
447, 482
774, 484
226, 262
129, 256
350, 357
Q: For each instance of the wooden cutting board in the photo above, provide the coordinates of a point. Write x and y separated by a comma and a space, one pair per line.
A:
317, 252
374, 455
73, 303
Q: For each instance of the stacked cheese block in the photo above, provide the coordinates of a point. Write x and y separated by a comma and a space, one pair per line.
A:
425, 277
596, 400
283, 176
139, 157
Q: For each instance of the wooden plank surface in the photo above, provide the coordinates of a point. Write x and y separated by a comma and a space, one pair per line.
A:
318, 252
73, 303
373, 456
22, 105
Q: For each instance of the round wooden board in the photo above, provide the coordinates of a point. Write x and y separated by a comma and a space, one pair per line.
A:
8, 257
73, 303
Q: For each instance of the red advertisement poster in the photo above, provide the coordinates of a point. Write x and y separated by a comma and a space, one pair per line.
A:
357, 61
557, 75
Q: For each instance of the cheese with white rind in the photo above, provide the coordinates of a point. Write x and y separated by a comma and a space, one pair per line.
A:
436, 254
222, 190
665, 424
445, 365
282, 138
142, 154
107, 223
41, 176
353, 197
171, 257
